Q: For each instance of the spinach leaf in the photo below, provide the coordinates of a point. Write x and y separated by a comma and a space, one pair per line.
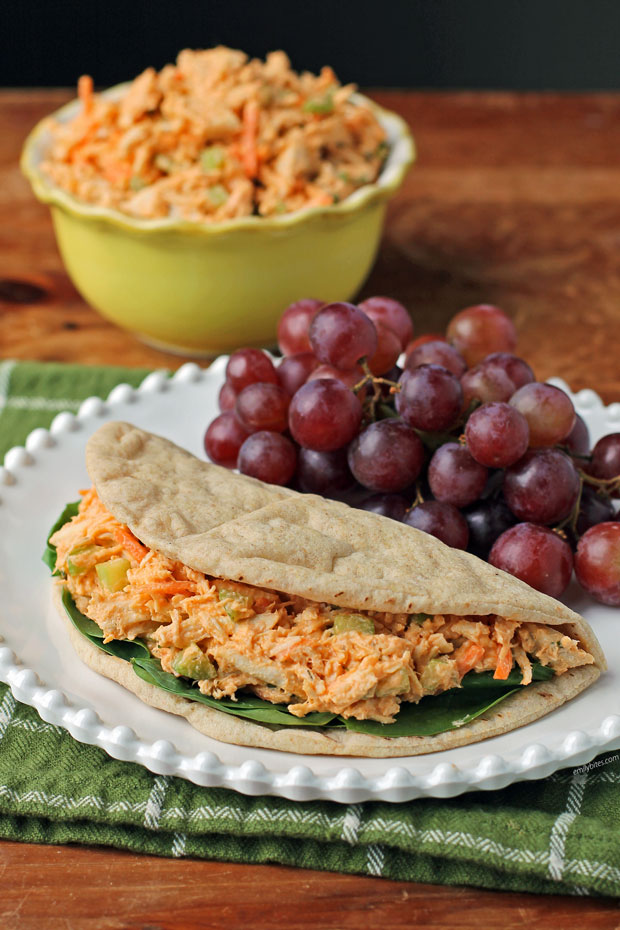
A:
49, 555
435, 714
486, 680
122, 649
479, 692
253, 708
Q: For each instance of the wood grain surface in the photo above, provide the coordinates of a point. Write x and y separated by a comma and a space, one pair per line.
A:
45, 891
514, 200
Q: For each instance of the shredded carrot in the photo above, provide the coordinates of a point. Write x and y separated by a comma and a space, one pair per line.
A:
85, 92
468, 657
168, 588
129, 542
248, 139
117, 172
504, 664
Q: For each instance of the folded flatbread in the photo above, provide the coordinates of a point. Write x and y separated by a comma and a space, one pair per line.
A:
380, 613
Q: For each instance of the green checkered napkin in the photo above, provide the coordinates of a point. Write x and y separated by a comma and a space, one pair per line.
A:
559, 835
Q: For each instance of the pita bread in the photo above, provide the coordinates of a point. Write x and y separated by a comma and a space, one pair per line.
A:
235, 527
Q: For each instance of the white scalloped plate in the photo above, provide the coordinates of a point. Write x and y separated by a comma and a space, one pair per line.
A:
38, 663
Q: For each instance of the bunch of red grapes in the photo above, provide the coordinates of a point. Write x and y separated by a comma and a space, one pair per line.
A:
461, 442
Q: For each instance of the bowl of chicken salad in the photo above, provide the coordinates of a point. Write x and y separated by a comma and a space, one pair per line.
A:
194, 203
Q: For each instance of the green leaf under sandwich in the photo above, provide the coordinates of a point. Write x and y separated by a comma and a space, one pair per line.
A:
49, 554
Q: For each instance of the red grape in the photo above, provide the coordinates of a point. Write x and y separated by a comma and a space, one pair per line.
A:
441, 520
422, 340
386, 456
436, 353
348, 378
388, 350
487, 520
454, 476
392, 314
430, 398
497, 435
578, 440
324, 415
593, 508
294, 370
294, 325
270, 457
486, 385
224, 438
536, 555
548, 410
597, 562
247, 366
606, 458
516, 368
227, 397
542, 487
322, 472
388, 505
477, 331
341, 334
263, 407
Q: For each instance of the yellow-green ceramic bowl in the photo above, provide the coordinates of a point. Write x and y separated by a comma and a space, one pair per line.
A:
204, 289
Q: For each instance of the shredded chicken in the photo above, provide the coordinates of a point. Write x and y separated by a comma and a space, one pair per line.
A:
286, 649
218, 136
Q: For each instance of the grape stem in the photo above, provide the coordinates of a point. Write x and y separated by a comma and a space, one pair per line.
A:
571, 519
374, 399
418, 499
607, 485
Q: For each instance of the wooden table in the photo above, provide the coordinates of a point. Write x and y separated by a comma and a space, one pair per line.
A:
515, 200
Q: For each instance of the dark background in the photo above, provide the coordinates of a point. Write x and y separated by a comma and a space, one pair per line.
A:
525, 44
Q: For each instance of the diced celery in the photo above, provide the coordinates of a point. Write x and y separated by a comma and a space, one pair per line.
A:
136, 183
396, 683
345, 176
352, 623
217, 195
228, 594
113, 574
439, 674
320, 105
212, 158
78, 568
419, 618
193, 663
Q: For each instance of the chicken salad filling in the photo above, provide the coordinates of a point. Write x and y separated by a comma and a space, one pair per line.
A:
232, 638
217, 136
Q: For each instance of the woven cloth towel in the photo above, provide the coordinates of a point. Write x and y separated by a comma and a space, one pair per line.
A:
558, 835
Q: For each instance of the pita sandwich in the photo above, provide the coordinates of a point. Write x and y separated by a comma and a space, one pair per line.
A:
282, 620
